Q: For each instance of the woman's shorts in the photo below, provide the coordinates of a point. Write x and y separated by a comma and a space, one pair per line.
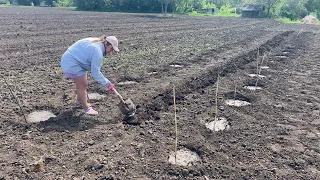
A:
71, 76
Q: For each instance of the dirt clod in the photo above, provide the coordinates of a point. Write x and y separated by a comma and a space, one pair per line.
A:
38, 166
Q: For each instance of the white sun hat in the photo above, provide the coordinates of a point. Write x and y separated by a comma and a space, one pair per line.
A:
114, 42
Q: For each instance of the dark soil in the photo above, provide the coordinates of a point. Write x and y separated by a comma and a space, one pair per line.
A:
276, 137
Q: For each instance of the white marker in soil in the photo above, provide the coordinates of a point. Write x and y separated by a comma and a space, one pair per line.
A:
176, 65
152, 73
282, 57
219, 125
255, 75
285, 52
264, 67
236, 103
39, 116
185, 157
123, 83
253, 88
96, 96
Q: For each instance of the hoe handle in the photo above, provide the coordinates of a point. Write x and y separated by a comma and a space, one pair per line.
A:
118, 95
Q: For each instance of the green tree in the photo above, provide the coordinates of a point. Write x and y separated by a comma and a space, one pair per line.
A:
220, 3
36, 2
4, 1
183, 5
313, 6
269, 4
235, 3
92, 5
64, 3
164, 6
49, 2
294, 9
24, 2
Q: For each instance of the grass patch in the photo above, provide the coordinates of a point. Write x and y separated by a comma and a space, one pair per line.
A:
227, 15
289, 21
4, 5
195, 13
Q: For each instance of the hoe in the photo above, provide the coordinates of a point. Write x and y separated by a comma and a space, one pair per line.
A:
126, 106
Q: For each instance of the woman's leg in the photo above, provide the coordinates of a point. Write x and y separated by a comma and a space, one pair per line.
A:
78, 102
81, 83
81, 90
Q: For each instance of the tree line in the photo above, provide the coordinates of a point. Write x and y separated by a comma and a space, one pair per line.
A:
293, 9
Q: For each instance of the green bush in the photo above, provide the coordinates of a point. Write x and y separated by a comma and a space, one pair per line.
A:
227, 9
293, 10
288, 20
92, 5
195, 13
65, 3
3, 1
24, 2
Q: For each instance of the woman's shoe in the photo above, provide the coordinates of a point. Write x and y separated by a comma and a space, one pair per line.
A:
90, 111
78, 104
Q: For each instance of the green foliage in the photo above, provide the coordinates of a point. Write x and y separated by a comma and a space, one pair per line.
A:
294, 10
4, 1
227, 15
183, 5
276, 11
220, 3
227, 9
313, 6
64, 3
287, 20
209, 5
119, 5
24, 2
49, 2
195, 13
91, 5
36, 2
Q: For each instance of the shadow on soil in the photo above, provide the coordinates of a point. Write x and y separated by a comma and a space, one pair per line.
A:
69, 121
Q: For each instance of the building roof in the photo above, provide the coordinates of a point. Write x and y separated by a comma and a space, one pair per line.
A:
253, 7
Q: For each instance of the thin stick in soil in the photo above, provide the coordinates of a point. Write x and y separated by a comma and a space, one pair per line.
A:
176, 125
259, 72
235, 91
258, 61
11, 92
216, 98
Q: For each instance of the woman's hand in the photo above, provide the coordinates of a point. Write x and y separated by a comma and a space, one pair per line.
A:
110, 87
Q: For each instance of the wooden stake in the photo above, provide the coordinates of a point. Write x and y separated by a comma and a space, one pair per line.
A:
259, 72
216, 115
21, 109
235, 92
176, 124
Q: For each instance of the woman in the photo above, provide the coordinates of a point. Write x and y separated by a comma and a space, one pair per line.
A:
87, 55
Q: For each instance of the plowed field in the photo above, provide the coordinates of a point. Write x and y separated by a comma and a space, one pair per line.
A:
275, 136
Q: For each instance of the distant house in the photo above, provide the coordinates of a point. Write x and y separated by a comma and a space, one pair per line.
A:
252, 10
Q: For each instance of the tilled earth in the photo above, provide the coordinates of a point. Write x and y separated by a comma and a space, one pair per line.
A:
275, 137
